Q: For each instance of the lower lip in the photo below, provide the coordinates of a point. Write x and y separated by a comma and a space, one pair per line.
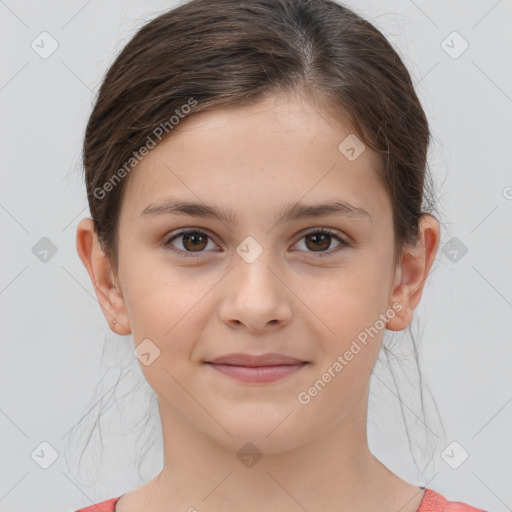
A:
257, 374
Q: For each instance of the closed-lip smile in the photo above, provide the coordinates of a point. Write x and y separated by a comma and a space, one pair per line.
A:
256, 368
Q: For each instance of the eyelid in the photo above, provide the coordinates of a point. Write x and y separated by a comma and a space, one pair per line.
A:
343, 242
333, 233
184, 231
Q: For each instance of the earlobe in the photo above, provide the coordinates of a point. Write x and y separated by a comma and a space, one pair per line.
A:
412, 272
102, 277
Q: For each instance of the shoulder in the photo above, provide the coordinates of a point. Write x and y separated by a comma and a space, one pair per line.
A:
435, 502
104, 506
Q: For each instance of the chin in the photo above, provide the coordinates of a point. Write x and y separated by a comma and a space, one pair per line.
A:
267, 433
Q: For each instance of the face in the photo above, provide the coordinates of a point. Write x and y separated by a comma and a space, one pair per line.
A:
273, 275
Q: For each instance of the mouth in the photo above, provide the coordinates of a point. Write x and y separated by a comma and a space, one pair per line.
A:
256, 369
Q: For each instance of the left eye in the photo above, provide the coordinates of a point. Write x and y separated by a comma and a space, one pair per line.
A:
322, 240
194, 242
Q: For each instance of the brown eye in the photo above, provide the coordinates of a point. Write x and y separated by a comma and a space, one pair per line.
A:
319, 241
191, 241
194, 241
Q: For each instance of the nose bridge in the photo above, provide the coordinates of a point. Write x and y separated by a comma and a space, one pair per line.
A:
252, 265
255, 296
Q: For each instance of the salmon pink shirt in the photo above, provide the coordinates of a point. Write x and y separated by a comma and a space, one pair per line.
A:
431, 502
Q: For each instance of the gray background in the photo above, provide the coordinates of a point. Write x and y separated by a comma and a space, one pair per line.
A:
56, 344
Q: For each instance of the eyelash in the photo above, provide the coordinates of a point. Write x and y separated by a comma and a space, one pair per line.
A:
321, 254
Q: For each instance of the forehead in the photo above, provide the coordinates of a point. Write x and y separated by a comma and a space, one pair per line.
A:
279, 150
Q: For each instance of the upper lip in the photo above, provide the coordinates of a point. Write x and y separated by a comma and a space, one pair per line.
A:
241, 359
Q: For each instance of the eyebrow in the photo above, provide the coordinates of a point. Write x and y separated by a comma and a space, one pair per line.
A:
297, 211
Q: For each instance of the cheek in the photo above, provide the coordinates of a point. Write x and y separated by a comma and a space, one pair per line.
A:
157, 295
343, 301
168, 312
168, 307
348, 330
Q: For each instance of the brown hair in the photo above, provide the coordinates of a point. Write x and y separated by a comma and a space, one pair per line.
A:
211, 54
226, 53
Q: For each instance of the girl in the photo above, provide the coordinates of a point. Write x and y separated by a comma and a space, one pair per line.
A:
255, 174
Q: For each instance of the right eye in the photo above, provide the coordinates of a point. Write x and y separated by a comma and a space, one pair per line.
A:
193, 241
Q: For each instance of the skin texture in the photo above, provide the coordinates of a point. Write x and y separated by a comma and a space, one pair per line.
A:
256, 161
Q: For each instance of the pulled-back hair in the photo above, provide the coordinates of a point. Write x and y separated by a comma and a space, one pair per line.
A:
204, 55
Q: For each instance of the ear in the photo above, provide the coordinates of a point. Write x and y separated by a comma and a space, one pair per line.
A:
102, 277
412, 272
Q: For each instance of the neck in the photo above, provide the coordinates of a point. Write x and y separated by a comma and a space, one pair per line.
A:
334, 471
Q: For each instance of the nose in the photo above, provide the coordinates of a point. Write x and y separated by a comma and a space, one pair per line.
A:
256, 296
